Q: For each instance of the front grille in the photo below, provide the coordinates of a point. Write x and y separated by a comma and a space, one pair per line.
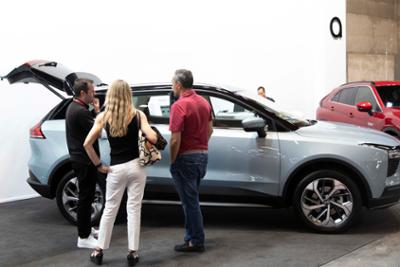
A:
392, 167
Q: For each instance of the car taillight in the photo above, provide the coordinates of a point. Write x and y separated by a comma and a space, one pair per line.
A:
36, 131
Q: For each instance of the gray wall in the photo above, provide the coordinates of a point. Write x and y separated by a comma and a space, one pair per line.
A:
373, 40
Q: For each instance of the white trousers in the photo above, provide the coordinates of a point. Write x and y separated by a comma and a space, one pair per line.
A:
128, 175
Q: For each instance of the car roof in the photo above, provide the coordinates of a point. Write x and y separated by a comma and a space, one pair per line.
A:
386, 83
164, 86
375, 83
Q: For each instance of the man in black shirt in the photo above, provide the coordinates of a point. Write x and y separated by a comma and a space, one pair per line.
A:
79, 120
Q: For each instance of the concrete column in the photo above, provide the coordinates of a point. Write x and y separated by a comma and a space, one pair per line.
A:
372, 39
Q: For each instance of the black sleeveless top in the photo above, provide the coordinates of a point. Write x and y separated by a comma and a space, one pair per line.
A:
125, 148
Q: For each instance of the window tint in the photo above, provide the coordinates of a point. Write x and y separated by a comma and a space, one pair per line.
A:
229, 114
390, 95
336, 97
364, 94
156, 107
347, 96
59, 112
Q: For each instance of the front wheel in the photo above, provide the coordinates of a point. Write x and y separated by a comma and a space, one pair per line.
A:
67, 199
327, 201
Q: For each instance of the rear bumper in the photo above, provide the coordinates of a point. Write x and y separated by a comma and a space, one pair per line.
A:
42, 189
390, 196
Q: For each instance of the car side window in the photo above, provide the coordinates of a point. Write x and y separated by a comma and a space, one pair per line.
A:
336, 97
227, 113
156, 107
348, 96
364, 94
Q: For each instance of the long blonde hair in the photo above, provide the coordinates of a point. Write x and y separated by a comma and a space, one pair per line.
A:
119, 108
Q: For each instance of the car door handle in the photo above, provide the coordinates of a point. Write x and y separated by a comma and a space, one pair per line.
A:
332, 108
351, 115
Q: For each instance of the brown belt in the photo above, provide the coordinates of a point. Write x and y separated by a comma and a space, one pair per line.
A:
194, 151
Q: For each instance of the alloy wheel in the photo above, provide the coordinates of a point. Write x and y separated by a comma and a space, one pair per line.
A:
327, 202
70, 194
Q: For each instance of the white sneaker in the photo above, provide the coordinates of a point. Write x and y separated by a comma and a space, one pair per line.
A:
89, 242
95, 233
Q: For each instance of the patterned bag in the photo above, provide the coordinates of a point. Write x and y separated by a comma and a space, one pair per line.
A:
148, 153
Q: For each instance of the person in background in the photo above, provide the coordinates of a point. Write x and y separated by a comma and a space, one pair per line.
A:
261, 92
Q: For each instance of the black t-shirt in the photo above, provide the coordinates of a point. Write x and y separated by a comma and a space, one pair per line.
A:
78, 122
125, 148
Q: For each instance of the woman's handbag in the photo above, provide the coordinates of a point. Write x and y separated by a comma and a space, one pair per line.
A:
148, 152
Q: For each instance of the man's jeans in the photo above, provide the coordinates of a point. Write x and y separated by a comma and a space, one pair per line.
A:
187, 171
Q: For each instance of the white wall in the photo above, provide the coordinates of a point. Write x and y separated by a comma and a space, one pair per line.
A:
283, 45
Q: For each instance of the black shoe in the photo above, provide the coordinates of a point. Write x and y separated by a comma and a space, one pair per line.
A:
132, 260
186, 248
97, 257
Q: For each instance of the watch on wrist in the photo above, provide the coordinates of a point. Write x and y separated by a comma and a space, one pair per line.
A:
99, 165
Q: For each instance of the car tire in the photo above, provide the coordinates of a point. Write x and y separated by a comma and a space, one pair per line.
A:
67, 198
327, 201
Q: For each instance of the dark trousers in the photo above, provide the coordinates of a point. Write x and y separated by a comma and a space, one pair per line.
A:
87, 176
187, 172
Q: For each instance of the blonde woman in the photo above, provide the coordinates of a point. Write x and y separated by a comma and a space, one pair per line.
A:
120, 119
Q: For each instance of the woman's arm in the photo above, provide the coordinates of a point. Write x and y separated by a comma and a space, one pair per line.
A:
146, 129
95, 133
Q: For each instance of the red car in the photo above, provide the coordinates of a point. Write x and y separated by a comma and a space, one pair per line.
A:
370, 104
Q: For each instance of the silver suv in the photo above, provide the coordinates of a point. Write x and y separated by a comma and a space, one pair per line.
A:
258, 155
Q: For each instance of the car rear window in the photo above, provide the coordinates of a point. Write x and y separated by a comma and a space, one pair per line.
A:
390, 95
59, 111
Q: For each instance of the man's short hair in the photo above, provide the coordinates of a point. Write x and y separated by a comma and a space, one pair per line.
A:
81, 85
184, 77
261, 88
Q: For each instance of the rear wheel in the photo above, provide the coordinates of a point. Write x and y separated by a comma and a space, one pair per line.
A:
327, 201
67, 198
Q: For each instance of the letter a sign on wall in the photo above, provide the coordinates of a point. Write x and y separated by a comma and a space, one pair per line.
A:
336, 28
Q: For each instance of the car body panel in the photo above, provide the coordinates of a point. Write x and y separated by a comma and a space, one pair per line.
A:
383, 118
372, 166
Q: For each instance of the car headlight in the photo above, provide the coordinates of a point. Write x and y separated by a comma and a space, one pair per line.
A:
394, 154
393, 151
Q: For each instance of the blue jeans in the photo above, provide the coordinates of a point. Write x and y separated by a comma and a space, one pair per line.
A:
187, 172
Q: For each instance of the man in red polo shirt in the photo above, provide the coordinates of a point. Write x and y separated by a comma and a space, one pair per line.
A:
191, 128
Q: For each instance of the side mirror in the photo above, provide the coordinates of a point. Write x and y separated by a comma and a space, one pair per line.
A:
255, 124
365, 107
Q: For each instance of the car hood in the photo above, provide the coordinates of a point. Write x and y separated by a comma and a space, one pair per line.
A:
347, 133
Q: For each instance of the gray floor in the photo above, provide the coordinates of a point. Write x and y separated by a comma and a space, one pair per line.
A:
33, 233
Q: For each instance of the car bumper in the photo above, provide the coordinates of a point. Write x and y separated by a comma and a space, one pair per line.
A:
390, 196
42, 189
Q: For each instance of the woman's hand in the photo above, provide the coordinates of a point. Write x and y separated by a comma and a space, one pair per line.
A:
148, 145
104, 169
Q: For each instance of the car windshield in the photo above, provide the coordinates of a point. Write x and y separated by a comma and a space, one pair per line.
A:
296, 119
390, 95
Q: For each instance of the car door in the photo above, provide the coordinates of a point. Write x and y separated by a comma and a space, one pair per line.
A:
54, 76
156, 106
240, 162
344, 108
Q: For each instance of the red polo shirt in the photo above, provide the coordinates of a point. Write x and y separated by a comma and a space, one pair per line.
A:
191, 115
